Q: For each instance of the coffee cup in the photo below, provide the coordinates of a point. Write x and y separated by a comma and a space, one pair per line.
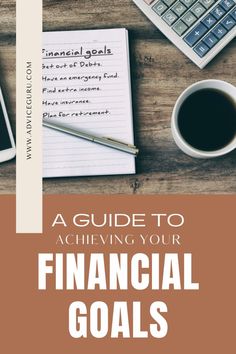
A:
203, 122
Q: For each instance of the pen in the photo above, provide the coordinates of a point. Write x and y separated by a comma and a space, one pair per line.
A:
109, 142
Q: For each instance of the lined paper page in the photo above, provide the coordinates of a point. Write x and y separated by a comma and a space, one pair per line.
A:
86, 86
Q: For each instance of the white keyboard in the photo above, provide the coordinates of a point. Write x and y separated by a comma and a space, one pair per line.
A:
199, 28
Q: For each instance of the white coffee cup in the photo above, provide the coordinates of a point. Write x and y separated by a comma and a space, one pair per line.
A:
222, 86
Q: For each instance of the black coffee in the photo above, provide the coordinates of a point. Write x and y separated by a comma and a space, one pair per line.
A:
207, 120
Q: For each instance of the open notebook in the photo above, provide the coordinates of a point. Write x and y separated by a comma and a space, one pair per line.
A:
86, 86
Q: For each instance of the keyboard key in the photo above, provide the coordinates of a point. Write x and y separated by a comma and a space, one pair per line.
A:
227, 4
189, 19
196, 34
219, 31
180, 27
201, 49
233, 13
169, 2
170, 17
209, 21
160, 8
179, 8
210, 40
198, 10
218, 12
207, 3
188, 3
228, 22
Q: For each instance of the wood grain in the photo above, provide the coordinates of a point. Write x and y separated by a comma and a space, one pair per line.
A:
160, 72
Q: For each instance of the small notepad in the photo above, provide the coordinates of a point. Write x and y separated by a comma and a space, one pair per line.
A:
86, 86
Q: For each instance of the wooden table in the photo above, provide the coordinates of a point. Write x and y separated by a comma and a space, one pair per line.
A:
160, 72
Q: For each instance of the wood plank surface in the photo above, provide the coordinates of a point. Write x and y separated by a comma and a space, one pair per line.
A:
160, 72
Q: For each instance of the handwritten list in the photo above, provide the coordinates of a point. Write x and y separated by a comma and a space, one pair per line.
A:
86, 86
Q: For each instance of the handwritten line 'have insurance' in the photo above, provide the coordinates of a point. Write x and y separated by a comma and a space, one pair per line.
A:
86, 85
